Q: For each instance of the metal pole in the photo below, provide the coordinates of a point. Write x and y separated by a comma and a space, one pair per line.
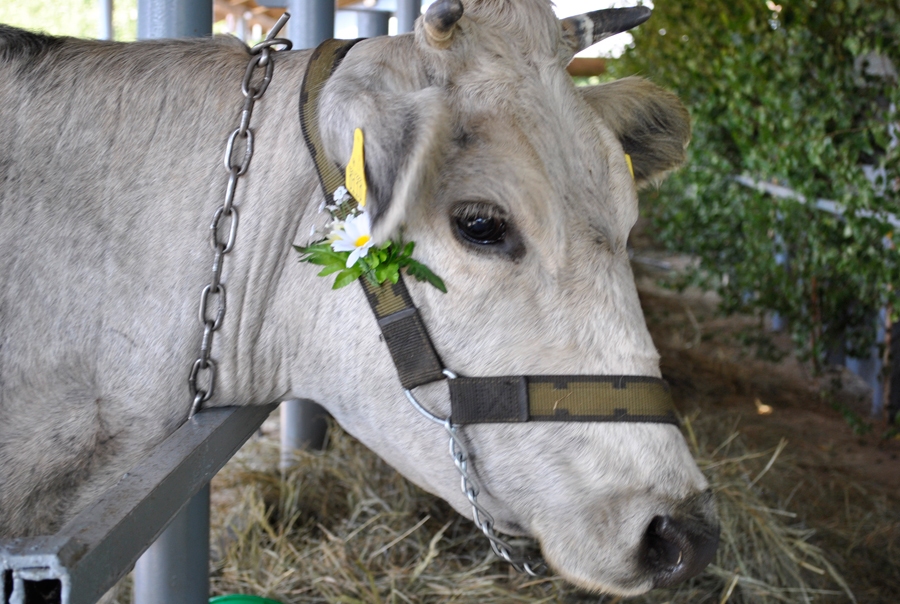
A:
106, 20
303, 426
407, 13
312, 22
174, 18
372, 23
175, 570
303, 422
869, 368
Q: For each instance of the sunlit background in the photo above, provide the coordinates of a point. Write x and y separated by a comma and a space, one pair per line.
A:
82, 18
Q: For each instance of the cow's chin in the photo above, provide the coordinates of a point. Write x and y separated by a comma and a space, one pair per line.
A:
589, 566
620, 578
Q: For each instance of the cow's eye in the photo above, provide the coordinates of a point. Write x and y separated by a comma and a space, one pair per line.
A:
483, 230
480, 224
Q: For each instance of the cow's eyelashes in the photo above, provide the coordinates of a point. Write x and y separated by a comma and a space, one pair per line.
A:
480, 223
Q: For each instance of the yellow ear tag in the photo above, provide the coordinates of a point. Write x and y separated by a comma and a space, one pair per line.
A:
356, 172
630, 167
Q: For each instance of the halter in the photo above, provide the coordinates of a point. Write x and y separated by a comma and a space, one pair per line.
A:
584, 398
474, 400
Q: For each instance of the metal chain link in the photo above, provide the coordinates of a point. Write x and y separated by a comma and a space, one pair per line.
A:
261, 57
471, 488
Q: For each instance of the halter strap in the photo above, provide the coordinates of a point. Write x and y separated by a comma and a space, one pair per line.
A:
583, 398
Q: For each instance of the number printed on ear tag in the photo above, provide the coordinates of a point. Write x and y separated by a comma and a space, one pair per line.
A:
356, 170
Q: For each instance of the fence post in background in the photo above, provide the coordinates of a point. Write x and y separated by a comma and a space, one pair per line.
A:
312, 21
776, 321
893, 406
106, 20
303, 422
372, 23
174, 18
869, 368
407, 13
304, 425
175, 569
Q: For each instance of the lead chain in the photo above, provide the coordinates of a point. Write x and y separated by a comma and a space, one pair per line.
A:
470, 488
262, 57
483, 519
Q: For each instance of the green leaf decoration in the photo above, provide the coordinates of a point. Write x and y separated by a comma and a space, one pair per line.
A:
330, 269
383, 263
423, 273
347, 276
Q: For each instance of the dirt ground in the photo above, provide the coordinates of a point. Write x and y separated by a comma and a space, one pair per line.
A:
843, 474
709, 363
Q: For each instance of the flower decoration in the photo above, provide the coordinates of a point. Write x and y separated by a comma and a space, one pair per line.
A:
353, 235
349, 250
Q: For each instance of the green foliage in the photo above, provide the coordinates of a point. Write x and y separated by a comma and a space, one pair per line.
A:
783, 93
381, 264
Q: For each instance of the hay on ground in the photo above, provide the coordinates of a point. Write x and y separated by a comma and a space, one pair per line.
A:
343, 527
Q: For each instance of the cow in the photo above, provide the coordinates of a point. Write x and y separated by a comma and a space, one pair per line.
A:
513, 184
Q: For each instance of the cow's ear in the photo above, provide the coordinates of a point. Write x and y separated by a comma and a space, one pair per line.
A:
651, 123
402, 135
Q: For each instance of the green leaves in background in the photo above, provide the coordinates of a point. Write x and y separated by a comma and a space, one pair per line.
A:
801, 94
79, 18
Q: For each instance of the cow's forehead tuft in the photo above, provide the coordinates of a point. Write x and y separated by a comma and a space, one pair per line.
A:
528, 26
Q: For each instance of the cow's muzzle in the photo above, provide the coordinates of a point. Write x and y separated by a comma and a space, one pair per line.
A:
679, 546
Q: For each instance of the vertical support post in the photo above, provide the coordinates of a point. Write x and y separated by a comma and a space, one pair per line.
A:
893, 407
304, 424
240, 29
312, 22
175, 569
174, 18
372, 23
777, 322
106, 20
869, 368
407, 13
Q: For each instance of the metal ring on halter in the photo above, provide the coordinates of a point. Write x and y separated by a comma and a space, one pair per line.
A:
445, 422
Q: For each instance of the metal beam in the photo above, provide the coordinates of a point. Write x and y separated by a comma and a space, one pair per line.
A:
372, 23
304, 424
407, 13
101, 544
174, 18
106, 20
312, 22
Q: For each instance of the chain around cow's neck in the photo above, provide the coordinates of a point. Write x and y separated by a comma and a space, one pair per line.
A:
262, 56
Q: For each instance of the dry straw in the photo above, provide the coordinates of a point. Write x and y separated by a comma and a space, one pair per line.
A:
343, 527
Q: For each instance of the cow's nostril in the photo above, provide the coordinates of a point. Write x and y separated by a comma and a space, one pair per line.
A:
660, 552
675, 550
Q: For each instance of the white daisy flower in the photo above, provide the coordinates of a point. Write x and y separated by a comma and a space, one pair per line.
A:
353, 235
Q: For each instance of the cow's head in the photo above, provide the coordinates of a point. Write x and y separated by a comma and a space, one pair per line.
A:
514, 185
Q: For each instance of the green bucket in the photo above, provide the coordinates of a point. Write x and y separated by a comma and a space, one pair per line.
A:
241, 599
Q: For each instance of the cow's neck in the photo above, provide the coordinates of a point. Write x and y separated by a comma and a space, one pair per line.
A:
267, 300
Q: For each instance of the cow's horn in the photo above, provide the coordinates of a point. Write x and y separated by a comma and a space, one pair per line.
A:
440, 22
582, 31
